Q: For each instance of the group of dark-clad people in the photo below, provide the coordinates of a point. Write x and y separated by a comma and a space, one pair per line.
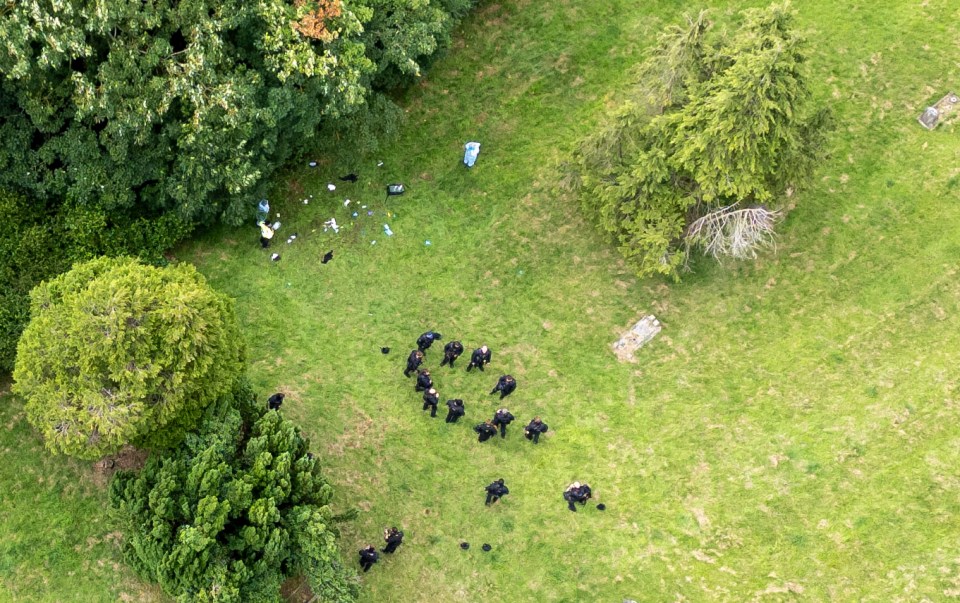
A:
506, 384
480, 357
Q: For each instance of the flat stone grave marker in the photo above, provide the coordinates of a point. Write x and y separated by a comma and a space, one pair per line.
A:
637, 337
940, 111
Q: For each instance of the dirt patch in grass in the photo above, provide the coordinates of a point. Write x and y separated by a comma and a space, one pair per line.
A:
296, 590
362, 434
128, 459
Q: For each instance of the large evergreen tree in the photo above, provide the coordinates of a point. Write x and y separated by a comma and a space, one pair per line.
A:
720, 128
117, 352
231, 513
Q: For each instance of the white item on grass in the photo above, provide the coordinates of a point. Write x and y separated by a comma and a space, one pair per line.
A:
471, 150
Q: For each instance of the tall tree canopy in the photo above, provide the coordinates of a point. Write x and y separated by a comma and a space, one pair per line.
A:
720, 127
117, 352
123, 125
175, 105
188, 105
231, 513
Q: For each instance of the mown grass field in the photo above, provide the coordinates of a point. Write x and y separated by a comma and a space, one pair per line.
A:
791, 435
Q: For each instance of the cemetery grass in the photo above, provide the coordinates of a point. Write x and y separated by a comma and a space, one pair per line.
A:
790, 435
57, 542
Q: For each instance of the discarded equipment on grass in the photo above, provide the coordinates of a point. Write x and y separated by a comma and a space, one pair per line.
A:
471, 150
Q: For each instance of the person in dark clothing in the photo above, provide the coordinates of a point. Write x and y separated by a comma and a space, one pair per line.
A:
485, 431
479, 358
430, 399
501, 419
577, 493
426, 340
394, 538
505, 385
274, 402
424, 382
533, 430
451, 352
456, 410
368, 556
495, 491
414, 360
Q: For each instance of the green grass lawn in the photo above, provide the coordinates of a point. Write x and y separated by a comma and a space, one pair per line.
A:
790, 435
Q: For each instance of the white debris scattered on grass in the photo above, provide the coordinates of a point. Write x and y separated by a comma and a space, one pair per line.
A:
331, 223
331, 186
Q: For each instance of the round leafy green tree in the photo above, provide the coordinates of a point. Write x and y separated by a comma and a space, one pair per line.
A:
234, 511
117, 352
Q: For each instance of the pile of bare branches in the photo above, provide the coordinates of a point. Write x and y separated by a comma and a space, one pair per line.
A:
736, 233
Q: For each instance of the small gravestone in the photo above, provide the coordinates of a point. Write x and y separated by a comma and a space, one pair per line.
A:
940, 111
637, 337
929, 118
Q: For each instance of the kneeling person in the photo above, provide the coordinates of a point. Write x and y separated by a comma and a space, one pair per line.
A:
485, 431
505, 385
426, 340
424, 382
456, 410
495, 491
368, 556
274, 402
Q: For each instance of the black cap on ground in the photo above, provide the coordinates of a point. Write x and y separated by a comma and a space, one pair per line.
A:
601, 507
464, 545
486, 546
384, 350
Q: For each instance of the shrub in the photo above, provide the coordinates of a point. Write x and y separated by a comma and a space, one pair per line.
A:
233, 512
117, 352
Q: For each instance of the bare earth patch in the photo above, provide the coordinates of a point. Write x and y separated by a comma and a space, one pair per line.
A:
128, 459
